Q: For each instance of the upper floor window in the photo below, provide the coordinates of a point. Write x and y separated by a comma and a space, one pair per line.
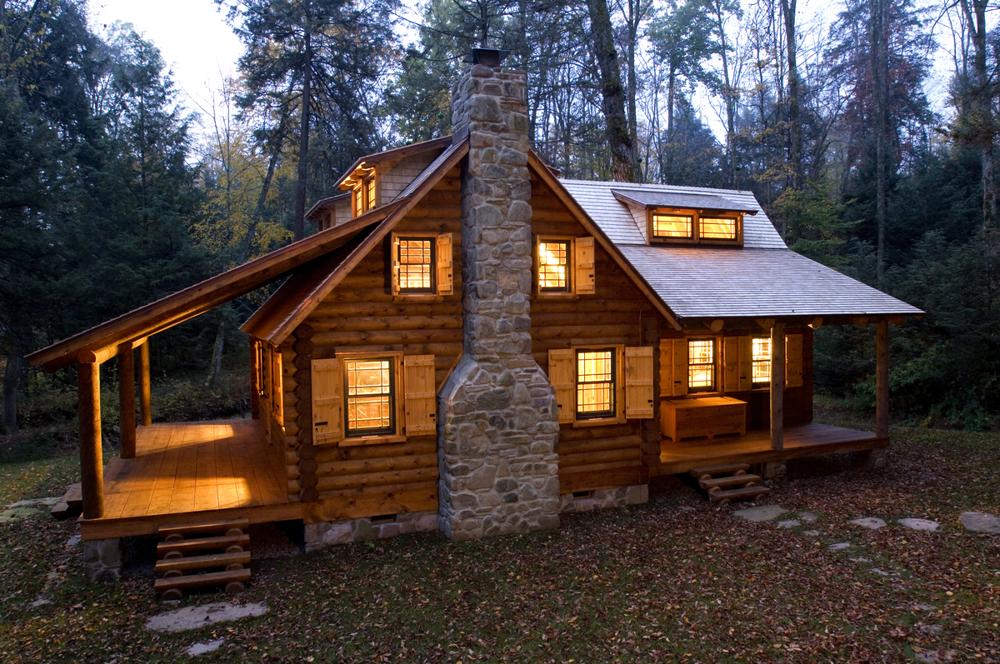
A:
701, 365
364, 186
553, 265
565, 266
421, 264
695, 227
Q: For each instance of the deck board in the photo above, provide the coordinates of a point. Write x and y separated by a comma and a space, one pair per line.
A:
755, 447
192, 467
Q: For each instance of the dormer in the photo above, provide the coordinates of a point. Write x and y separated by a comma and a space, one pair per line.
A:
363, 184
678, 218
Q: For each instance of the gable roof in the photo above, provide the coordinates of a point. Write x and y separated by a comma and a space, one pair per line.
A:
678, 199
763, 279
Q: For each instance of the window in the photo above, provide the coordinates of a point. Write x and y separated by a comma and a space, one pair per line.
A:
595, 383
364, 187
553, 265
701, 365
717, 228
359, 204
673, 226
415, 260
370, 395
371, 202
760, 363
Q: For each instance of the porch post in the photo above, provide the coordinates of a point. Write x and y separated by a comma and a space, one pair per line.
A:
882, 379
91, 459
254, 385
777, 385
126, 398
144, 385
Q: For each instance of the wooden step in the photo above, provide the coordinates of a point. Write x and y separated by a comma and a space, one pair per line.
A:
203, 544
744, 493
70, 504
209, 561
201, 528
720, 469
187, 581
729, 481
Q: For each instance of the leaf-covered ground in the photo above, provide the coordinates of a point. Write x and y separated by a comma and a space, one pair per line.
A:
676, 579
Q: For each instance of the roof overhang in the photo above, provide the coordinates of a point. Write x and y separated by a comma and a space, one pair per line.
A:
691, 201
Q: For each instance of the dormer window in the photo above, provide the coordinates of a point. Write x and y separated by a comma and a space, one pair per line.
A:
675, 226
717, 228
695, 226
364, 188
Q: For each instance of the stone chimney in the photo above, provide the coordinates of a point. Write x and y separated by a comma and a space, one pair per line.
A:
499, 426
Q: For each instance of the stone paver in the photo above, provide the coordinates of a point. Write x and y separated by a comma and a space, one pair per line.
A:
193, 617
760, 513
789, 523
920, 524
839, 546
860, 559
204, 647
980, 522
12, 514
870, 522
47, 501
808, 517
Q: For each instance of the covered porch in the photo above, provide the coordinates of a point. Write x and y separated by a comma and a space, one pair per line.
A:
192, 472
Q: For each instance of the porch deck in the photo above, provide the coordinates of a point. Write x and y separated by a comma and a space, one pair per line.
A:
189, 472
755, 447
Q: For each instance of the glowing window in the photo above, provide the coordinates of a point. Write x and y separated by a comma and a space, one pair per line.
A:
701, 365
370, 193
369, 394
717, 228
359, 202
673, 225
761, 360
595, 383
553, 265
416, 265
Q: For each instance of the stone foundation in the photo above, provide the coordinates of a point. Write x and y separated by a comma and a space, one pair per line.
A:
774, 470
102, 559
324, 534
875, 459
600, 499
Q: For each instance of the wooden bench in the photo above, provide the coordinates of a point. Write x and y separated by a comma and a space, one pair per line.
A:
705, 417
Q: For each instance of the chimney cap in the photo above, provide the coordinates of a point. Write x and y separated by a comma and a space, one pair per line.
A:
490, 57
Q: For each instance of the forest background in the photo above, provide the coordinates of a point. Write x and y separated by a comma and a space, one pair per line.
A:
113, 193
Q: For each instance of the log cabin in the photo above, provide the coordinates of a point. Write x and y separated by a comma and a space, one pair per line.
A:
472, 345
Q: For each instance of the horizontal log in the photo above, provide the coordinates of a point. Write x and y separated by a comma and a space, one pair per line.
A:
376, 465
590, 480
377, 479
413, 446
323, 323
630, 456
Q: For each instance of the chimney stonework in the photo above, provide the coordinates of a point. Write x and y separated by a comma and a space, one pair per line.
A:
498, 428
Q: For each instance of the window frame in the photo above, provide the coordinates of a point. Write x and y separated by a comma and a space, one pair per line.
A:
570, 287
392, 434
365, 186
696, 216
397, 246
602, 415
714, 387
754, 384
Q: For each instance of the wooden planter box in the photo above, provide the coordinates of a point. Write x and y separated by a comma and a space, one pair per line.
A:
706, 417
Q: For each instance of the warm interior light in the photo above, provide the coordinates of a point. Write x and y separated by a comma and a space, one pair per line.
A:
595, 383
553, 265
369, 395
761, 360
717, 228
415, 264
701, 365
672, 225
370, 188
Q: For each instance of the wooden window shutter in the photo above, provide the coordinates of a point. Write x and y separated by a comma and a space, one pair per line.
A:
731, 364
639, 382
562, 375
584, 282
793, 360
327, 401
394, 263
445, 274
277, 389
673, 367
746, 363
419, 395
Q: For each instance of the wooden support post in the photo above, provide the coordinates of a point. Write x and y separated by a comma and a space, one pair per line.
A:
91, 458
144, 385
126, 399
777, 386
254, 382
882, 379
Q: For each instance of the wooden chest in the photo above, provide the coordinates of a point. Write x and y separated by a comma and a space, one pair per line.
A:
706, 417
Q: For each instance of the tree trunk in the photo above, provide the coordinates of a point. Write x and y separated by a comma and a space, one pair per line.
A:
634, 19
215, 366
788, 8
11, 383
728, 93
612, 94
303, 166
880, 48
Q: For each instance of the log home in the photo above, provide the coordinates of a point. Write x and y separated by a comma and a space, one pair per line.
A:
470, 344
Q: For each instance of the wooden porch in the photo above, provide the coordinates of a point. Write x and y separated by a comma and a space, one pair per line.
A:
191, 472
756, 447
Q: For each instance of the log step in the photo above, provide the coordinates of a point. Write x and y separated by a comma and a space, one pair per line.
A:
729, 481
203, 544
201, 528
720, 469
744, 493
194, 563
70, 504
187, 581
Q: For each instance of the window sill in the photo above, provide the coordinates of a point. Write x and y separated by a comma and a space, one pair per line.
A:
557, 295
420, 297
598, 422
357, 441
